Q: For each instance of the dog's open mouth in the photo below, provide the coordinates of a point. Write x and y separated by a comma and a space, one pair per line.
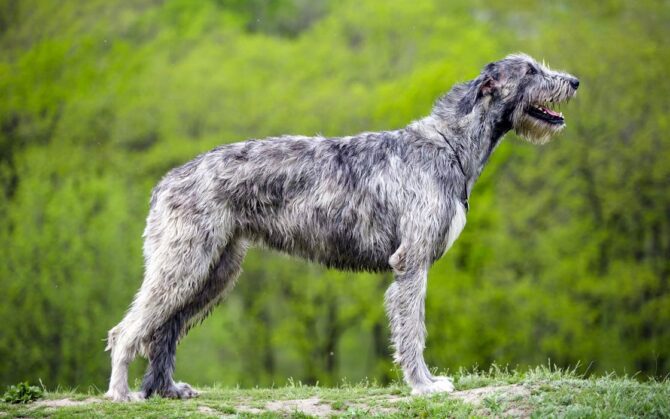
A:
544, 113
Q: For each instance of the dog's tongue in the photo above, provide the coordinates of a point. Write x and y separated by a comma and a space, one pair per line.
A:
552, 113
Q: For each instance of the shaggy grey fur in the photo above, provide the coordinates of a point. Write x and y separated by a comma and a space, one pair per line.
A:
374, 201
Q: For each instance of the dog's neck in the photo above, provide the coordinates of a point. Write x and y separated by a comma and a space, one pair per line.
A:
472, 147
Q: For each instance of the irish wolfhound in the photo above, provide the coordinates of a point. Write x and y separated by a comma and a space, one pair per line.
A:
392, 200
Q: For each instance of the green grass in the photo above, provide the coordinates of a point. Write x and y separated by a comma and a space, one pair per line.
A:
542, 392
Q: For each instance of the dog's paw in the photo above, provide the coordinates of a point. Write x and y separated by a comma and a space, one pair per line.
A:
440, 385
442, 378
186, 391
124, 396
180, 391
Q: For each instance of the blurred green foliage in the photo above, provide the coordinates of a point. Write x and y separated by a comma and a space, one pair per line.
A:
566, 252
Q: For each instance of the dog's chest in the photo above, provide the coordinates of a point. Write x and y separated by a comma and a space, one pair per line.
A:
456, 226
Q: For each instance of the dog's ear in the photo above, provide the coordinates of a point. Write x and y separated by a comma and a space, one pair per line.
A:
486, 84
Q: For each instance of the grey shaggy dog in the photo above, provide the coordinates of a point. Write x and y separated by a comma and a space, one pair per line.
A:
393, 200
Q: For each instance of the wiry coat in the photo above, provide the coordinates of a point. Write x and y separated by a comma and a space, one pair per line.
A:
344, 202
375, 201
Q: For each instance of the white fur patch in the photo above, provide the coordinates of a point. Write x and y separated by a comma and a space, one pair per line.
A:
442, 385
456, 226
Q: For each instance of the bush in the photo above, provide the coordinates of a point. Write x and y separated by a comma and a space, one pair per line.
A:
22, 393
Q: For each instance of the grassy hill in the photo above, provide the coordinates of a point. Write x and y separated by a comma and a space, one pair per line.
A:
539, 392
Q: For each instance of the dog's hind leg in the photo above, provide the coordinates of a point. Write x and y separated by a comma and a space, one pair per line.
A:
162, 345
405, 307
181, 254
176, 273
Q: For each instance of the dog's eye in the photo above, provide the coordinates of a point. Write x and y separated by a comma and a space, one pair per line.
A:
531, 71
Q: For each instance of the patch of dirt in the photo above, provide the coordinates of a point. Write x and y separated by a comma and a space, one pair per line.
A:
476, 395
65, 402
373, 410
247, 409
371, 405
207, 410
512, 398
312, 406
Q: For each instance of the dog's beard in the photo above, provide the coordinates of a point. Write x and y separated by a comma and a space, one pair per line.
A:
534, 130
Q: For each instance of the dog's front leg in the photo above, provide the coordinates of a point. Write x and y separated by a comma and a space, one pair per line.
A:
405, 307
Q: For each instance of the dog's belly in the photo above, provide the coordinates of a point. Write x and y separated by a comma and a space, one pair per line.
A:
343, 255
339, 243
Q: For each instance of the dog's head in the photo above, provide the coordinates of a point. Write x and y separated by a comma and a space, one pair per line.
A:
519, 91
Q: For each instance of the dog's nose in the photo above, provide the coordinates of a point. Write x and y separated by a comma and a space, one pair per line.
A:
574, 83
